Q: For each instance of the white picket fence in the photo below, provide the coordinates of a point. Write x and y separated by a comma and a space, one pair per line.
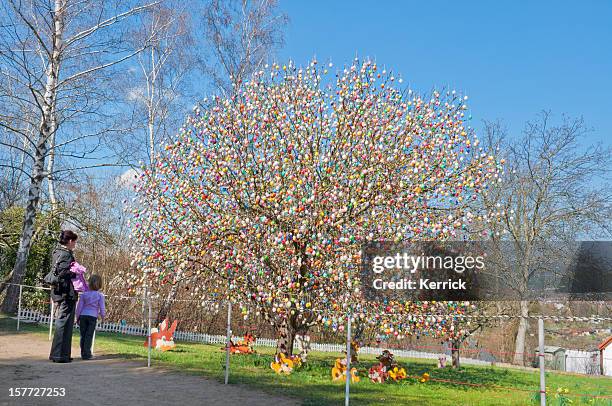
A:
35, 316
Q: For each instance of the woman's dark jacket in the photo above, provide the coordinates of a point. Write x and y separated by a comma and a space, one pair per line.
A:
61, 260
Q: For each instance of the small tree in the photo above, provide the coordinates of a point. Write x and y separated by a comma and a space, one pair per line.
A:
267, 196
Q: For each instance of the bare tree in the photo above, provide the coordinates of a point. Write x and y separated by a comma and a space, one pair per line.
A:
55, 58
159, 88
555, 190
96, 211
242, 35
12, 185
159, 82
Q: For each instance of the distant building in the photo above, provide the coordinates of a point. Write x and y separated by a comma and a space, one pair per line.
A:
554, 357
605, 356
582, 362
577, 361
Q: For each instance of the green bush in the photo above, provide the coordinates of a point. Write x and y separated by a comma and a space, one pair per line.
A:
39, 259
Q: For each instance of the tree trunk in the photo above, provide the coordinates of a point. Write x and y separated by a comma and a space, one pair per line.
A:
151, 109
46, 131
519, 346
302, 344
164, 309
455, 345
25, 242
286, 337
51, 164
6, 280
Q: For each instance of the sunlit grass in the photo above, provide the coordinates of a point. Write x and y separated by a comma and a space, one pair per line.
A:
312, 383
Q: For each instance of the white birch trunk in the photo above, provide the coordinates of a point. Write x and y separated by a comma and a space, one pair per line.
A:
51, 164
46, 131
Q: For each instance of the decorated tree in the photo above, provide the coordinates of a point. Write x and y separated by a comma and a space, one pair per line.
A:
450, 321
266, 197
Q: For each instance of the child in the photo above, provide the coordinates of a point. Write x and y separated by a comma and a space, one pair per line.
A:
91, 305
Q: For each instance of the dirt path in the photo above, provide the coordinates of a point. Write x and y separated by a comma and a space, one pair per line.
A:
110, 381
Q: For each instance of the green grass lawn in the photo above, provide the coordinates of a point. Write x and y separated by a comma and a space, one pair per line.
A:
312, 383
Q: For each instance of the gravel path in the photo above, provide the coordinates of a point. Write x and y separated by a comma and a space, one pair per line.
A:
109, 380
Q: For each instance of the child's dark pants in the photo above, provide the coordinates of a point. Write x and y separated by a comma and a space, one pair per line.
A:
87, 325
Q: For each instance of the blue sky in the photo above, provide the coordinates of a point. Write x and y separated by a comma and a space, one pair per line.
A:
512, 58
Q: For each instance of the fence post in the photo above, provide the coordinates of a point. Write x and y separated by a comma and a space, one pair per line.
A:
541, 359
227, 342
149, 328
19, 307
51, 320
348, 360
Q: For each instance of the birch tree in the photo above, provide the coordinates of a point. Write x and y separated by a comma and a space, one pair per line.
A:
56, 58
156, 86
159, 88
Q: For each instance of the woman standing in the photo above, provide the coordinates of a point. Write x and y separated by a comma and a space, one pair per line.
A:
64, 296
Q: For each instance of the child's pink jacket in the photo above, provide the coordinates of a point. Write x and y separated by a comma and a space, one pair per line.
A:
79, 282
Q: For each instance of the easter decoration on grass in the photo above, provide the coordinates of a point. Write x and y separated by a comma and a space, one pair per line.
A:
283, 364
377, 374
163, 339
397, 374
242, 347
266, 197
387, 368
338, 371
424, 378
